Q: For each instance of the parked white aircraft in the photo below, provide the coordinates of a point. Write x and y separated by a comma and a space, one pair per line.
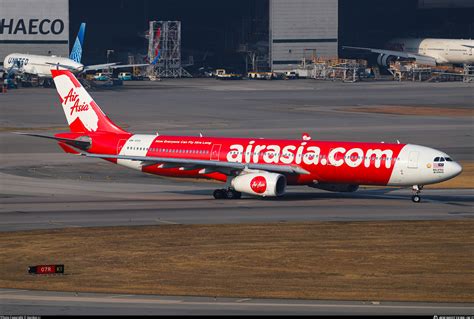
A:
41, 65
424, 51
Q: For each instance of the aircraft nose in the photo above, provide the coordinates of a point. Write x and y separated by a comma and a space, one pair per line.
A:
456, 169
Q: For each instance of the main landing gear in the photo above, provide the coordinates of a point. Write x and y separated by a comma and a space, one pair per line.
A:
227, 194
416, 198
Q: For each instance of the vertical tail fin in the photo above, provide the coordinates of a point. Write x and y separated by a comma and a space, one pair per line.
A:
82, 113
76, 52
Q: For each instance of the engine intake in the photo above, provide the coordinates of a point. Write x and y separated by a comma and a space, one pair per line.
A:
260, 184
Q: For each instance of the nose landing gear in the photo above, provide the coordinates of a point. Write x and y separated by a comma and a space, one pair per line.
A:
227, 194
416, 198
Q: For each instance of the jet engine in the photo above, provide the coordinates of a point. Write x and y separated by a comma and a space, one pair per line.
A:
340, 188
260, 184
385, 59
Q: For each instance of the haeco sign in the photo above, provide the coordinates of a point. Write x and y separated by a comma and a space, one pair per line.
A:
34, 27
31, 26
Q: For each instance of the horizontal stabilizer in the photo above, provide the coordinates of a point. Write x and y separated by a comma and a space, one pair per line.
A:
80, 144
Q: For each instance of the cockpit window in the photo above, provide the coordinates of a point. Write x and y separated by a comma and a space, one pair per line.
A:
436, 159
448, 159
441, 159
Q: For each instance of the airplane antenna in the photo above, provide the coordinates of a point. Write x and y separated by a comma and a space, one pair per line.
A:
398, 142
200, 134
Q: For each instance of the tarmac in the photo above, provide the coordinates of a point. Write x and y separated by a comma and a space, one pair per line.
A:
14, 302
43, 188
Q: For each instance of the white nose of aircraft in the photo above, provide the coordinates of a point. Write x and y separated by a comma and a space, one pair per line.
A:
454, 169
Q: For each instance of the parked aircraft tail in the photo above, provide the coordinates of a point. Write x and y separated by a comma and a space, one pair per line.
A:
76, 52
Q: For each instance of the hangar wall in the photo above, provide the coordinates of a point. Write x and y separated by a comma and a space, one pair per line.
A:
35, 27
430, 4
299, 26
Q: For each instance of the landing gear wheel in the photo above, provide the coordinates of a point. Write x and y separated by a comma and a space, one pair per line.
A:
416, 198
219, 194
231, 194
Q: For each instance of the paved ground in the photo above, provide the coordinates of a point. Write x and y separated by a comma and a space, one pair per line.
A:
55, 195
41, 187
60, 303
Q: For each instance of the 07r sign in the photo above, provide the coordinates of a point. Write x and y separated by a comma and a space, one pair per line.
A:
46, 269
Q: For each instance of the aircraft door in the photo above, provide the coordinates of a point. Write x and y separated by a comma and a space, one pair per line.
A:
215, 152
120, 145
413, 160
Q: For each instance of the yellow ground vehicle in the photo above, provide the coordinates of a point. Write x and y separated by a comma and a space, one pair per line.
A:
261, 75
223, 75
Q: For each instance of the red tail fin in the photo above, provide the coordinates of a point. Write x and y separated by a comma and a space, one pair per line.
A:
82, 113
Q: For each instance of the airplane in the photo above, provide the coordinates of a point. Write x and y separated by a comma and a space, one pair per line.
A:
425, 51
254, 166
41, 65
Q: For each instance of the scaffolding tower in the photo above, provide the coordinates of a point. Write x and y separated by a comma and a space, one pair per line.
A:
338, 69
164, 50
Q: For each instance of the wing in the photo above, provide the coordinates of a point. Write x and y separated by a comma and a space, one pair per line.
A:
423, 59
185, 164
110, 66
128, 65
96, 67
65, 66
207, 166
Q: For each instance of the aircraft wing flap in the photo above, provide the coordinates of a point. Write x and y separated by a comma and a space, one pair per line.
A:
287, 169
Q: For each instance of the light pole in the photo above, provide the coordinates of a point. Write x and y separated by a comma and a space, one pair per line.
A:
108, 54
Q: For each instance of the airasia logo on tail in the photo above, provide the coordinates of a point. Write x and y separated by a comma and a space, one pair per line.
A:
258, 184
78, 106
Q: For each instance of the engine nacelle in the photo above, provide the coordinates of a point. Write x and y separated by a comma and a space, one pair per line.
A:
385, 59
260, 184
340, 188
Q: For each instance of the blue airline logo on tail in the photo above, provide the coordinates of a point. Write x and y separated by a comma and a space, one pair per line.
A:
76, 52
